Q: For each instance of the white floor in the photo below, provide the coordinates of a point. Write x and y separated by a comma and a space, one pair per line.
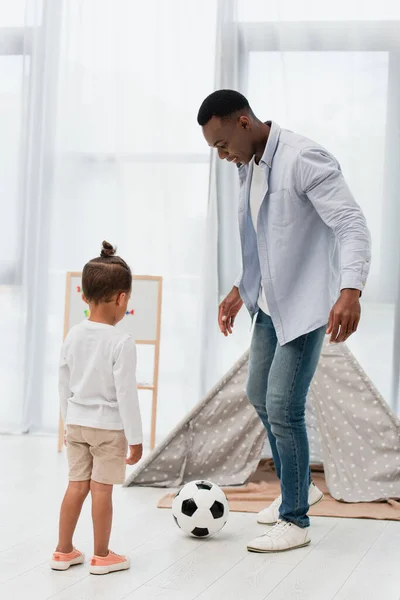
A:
347, 560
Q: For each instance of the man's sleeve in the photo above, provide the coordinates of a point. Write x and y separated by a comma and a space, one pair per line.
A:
321, 180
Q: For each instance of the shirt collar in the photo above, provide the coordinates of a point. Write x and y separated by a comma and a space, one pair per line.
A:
271, 145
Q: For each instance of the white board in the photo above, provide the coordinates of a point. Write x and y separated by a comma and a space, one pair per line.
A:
142, 320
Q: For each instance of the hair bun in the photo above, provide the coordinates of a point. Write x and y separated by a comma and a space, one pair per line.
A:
107, 250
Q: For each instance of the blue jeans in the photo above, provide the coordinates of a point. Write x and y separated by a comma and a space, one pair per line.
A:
279, 379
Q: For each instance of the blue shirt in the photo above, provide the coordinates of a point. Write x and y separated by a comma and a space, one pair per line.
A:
312, 238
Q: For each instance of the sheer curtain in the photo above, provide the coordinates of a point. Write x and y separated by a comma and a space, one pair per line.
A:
132, 167
127, 163
223, 262
98, 103
27, 119
332, 73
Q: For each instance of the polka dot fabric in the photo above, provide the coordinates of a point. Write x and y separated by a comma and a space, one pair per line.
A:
351, 431
359, 435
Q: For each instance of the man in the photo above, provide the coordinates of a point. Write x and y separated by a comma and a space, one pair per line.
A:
305, 254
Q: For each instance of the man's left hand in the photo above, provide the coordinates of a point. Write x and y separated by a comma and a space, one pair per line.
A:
345, 316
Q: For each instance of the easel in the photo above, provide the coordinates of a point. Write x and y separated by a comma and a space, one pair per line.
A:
150, 340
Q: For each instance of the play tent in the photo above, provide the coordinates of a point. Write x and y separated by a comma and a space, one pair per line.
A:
352, 432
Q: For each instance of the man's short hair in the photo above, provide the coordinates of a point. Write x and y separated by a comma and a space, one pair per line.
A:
222, 104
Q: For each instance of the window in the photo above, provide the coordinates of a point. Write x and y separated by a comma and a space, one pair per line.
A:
334, 76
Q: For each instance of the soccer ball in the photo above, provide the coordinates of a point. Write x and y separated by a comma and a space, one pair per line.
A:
200, 508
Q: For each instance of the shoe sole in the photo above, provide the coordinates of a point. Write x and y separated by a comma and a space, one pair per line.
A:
259, 551
63, 566
274, 522
111, 569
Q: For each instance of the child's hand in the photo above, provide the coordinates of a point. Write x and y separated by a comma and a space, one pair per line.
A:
135, 454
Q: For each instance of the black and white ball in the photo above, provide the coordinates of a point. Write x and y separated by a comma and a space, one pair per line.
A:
200, 508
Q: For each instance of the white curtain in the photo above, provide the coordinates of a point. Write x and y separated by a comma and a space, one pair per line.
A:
125, 162
98, 104
223, 262
331, 71
27, 123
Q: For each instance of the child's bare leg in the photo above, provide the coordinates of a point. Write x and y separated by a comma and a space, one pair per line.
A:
102, 512
70, 511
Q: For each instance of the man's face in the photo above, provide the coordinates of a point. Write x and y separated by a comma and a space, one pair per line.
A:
232, 137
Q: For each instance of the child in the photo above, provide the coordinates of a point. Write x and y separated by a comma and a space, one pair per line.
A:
99, 406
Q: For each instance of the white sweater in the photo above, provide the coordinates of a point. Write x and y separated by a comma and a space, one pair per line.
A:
97, 380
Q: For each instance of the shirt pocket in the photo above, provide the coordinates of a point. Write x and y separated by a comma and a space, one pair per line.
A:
281, 209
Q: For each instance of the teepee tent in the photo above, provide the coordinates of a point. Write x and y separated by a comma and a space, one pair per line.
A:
351, 429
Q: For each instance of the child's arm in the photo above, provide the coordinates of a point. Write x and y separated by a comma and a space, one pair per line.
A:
63, 387
126, 388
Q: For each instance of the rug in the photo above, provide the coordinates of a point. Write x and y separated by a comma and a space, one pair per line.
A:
263, 488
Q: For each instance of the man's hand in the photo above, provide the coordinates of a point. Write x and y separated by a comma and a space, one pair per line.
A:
228, 309
135, 454
345, 316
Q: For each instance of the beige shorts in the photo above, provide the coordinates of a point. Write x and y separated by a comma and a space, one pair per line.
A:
97, 454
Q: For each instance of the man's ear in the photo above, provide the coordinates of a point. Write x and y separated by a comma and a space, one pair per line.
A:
244, 122
84, 299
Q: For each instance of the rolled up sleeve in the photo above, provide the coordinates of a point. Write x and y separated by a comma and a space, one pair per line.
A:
321, 180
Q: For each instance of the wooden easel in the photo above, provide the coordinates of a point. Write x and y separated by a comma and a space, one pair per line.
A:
148, 342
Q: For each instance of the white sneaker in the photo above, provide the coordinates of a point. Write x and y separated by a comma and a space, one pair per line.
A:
283, 536
270, 515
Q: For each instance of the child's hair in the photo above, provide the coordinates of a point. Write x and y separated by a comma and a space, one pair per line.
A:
105, 276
